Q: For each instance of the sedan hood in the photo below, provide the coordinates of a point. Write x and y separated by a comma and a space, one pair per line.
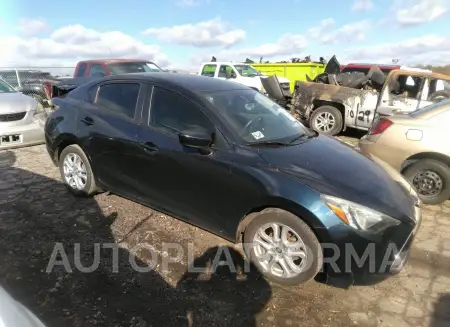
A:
16, 102
332, 167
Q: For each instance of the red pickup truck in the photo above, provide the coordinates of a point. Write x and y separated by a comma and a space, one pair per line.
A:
106, 67
88, 69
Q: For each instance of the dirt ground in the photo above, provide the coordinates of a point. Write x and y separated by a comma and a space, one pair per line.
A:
37, 214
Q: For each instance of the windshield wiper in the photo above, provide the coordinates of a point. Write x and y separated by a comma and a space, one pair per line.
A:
268, 143
302, 136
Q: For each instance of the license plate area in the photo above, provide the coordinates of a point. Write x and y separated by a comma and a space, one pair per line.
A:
10, 139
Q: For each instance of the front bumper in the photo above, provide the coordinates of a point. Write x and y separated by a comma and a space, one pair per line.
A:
21, 135
370, 258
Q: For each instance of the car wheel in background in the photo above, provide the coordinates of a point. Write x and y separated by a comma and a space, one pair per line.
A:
431, 179
326, 120
282, 247
76, 171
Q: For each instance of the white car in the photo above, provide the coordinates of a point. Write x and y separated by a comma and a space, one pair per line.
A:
14, 314
240, 73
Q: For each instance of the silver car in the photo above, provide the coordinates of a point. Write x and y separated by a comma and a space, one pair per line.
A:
22, 119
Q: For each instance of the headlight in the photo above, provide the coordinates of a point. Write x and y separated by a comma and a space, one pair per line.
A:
358, 216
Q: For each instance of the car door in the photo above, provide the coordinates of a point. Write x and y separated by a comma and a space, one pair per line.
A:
108, 127
186, 182
401, 92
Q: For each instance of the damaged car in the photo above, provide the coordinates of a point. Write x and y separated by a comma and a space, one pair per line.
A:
334, 101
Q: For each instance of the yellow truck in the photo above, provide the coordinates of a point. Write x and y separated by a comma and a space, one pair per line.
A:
291, 71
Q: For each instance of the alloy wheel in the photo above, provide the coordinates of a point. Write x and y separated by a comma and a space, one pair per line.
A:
325, 122
75, 172
280, 250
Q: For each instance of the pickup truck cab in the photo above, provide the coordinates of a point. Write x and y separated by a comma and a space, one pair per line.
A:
240, 73
329, 108
106, 67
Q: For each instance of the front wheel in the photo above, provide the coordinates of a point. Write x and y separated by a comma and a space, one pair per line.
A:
431, 179
76, 171
326, 120
282, 247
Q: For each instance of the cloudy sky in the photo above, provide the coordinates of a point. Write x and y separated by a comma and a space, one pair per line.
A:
182, 33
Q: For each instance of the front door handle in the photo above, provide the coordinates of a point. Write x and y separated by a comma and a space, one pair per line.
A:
149, 147
88, 121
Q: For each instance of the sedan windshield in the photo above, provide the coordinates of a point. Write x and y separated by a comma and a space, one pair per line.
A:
256, 118
5, 87
247, 70
133, 67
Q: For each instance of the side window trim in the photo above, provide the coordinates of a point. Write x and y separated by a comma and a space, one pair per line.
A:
139, 101
175, 134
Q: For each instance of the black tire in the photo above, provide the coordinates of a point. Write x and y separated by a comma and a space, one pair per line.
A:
90, 187
338, 121
436, 167
313, 248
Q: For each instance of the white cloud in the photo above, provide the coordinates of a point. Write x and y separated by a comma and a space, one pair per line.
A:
69, 44
349, 33
431, 49
324, 32
214, 32
32, 27
189, 3
287, 45
362, 5
420, 11
321, 28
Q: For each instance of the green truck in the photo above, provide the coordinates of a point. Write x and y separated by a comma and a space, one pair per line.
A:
292, 71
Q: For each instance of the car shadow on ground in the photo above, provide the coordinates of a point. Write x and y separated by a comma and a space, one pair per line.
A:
51, 243
441, 314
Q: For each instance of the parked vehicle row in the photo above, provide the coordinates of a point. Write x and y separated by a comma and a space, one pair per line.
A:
30, 82
330, 107
226, 158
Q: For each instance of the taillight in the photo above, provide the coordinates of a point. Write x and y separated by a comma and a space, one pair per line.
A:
381, 126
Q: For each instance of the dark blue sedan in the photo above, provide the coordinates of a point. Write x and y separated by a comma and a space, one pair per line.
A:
226, 158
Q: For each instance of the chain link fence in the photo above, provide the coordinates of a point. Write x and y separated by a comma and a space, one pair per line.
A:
33, 81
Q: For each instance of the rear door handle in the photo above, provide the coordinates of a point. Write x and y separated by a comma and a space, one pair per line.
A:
149, 147
88, 121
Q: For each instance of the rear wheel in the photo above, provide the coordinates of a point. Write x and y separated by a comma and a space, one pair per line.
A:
326, 120
282, 247
76, 171
431, 179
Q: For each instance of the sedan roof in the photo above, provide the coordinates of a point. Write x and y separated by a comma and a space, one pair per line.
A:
195, 83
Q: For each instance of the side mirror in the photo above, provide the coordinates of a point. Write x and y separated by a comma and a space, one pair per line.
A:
195, 139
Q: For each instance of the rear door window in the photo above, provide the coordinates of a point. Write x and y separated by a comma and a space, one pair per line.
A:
119, 98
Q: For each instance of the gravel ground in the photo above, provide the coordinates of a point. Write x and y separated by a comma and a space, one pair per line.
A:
38, 215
